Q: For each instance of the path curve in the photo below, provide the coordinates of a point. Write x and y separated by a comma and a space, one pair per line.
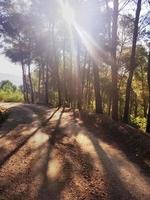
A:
49, 154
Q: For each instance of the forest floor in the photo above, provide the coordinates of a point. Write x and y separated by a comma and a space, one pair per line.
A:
51, 154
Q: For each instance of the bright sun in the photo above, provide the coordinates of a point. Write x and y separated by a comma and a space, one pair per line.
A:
68, 13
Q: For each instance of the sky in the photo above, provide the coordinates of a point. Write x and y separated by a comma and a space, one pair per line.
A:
10, 71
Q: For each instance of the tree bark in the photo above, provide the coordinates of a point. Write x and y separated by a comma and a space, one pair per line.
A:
65, 95
143, 92
148, 78
109, 105
114, 67
39, 85
43, 99
46, 85
83, 75
56, 66
132, 63
135, 107
79, 83
98, 99
31, 85
87, 94
25, 91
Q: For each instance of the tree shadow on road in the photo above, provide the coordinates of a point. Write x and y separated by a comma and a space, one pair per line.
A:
98, 133
75, 178
117, 189
23, 115
75, 165
21, 143
114, 140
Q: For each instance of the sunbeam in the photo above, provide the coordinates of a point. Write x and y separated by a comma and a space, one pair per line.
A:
67, 12
75, 108
94, 50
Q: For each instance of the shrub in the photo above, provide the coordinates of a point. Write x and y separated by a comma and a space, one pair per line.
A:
138, 122
9, 92
9, 96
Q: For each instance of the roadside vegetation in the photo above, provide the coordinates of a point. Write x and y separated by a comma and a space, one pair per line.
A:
9, 92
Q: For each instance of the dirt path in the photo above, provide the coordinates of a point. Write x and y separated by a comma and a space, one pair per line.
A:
48, 154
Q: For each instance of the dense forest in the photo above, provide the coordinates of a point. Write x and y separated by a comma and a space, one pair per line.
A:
87, 54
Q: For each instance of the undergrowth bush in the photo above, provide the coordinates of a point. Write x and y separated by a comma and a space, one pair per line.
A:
11, 96
10, 92
138, 122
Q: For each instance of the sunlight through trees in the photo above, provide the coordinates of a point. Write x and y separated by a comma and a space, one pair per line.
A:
81, 54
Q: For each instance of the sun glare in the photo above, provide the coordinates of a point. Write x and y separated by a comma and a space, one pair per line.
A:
68, 13
89, 42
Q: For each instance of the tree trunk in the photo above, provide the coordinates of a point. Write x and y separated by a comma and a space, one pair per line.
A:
43, 96
79, 84
46, 85
25, 91
65, 98
114, 93
135, 107
83, 76
114, 67
131, 102
71, 79
31, 86
87, 94
98, 99
39, 85
109, 105
148, 78
143, 92
56, 66
132, 63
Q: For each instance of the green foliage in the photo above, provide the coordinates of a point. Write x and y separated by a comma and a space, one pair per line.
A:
138, 122
7, 86
7, 96
9, 92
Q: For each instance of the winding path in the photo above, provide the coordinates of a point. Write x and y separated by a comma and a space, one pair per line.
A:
49, 154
